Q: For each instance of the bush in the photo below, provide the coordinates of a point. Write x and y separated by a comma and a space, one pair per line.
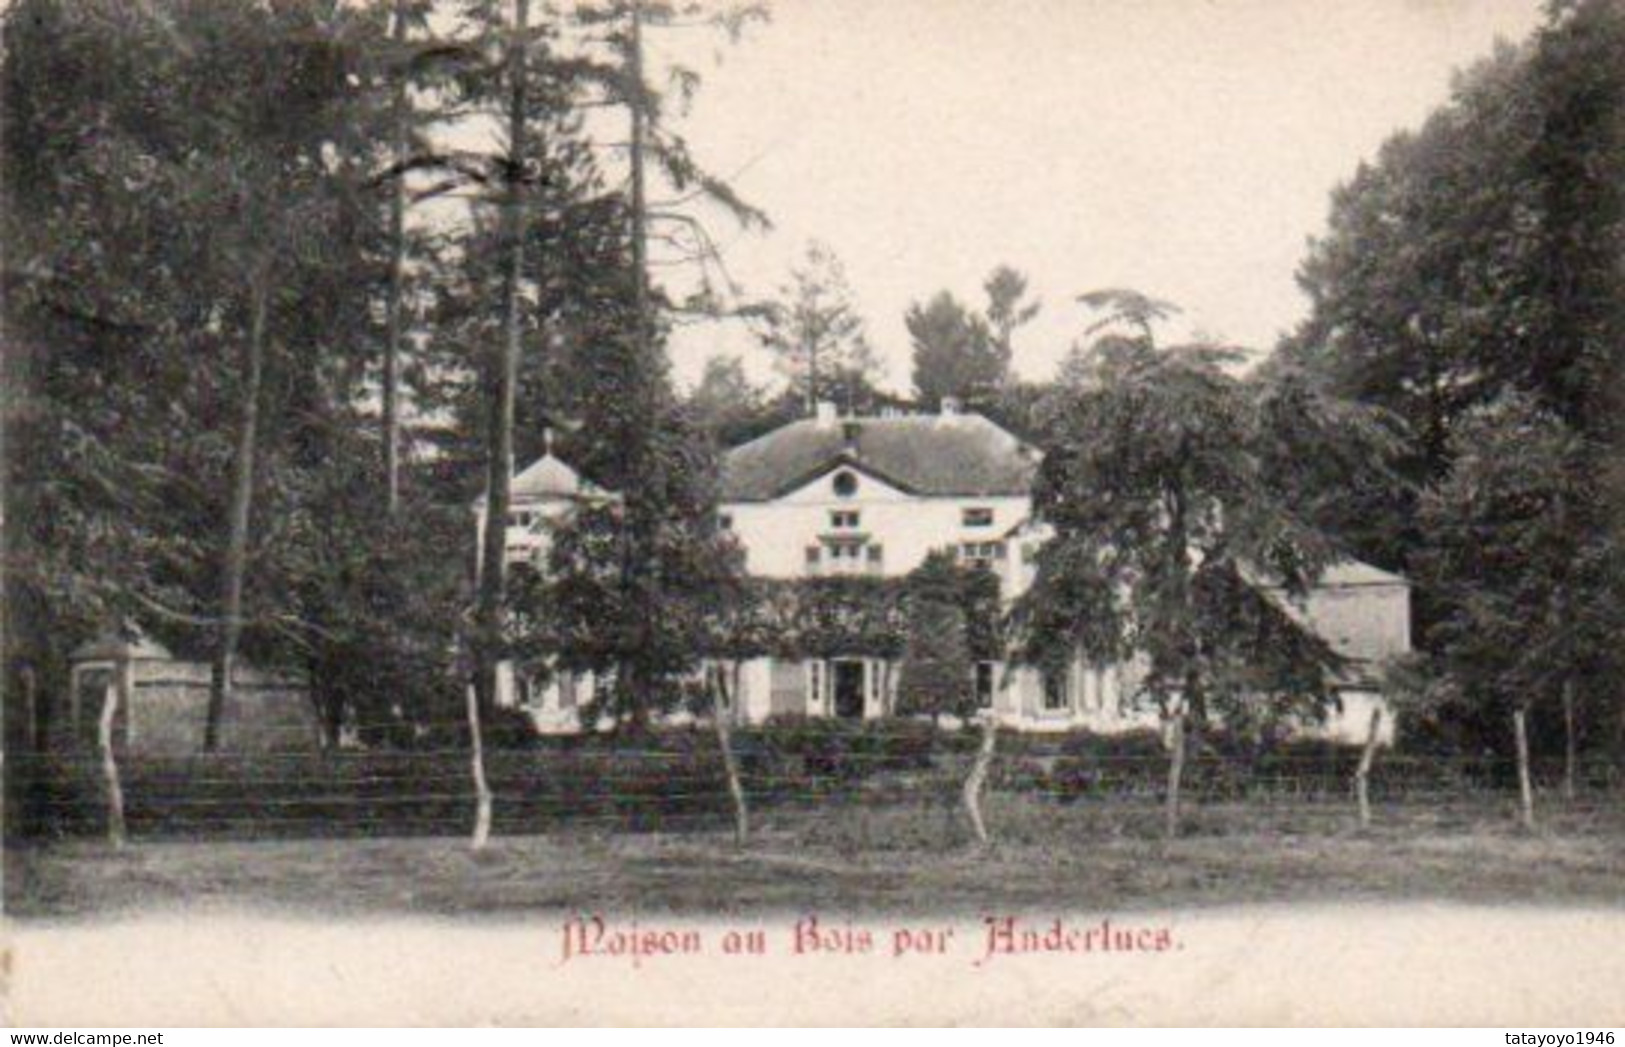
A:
852, 749
509, 728
1093, 764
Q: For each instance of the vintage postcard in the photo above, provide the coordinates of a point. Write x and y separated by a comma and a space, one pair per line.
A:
814, 512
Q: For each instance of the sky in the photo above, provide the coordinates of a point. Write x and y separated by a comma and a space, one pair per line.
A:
1184, 148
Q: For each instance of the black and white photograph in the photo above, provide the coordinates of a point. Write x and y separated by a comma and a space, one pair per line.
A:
813, 513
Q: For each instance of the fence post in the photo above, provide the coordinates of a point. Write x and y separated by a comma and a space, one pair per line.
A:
1569, 759
1526, 793
721, 709
482, 790
1362, 775
115, 794
1176, 770
978, 778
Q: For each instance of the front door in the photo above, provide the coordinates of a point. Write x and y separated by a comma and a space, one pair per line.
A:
848, 686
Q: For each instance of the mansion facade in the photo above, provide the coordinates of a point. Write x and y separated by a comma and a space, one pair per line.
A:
837, 495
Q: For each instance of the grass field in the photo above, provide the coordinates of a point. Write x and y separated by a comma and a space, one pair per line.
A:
860, 858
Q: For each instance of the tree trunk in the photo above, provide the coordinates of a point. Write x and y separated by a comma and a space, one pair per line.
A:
242, 500
1526, 792
1362, 776
504, 376
1176, 771
397, 265
482, 790
633, 535
978, 778
812, 378
721, 709
639, 216
115, 794
1569, 744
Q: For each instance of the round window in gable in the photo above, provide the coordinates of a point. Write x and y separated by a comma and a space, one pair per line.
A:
846, 484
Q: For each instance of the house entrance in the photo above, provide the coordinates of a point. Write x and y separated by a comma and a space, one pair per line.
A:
847, 683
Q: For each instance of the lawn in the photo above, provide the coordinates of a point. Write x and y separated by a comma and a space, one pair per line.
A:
871, 858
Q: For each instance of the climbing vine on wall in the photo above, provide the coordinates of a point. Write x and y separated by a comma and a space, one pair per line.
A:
852, 616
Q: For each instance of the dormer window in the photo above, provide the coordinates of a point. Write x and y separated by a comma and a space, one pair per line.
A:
978, 516
845, 484
844, 519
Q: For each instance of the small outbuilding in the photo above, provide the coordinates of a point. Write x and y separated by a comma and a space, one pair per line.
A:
162, 701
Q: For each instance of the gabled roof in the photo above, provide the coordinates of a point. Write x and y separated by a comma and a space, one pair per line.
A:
121, 646
1363, 631
929, 455
550, 478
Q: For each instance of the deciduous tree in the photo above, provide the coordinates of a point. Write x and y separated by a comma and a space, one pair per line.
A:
1175, 541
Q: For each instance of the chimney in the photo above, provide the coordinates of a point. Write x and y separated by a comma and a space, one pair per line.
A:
951, 406
849, 434
825, 414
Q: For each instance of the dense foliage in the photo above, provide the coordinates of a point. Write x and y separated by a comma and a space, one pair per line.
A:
1471, 283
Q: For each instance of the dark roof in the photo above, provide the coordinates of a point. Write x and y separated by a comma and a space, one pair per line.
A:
1350, 573
932, 455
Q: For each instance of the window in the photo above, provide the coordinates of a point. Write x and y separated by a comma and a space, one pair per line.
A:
977, 517
845, 484
1057, 693
815, 681
813, 554
985, 675
981, 553
874, 554
845, 557
726, 521
844, 519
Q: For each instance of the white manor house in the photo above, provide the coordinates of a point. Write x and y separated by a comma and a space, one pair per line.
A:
832, 494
